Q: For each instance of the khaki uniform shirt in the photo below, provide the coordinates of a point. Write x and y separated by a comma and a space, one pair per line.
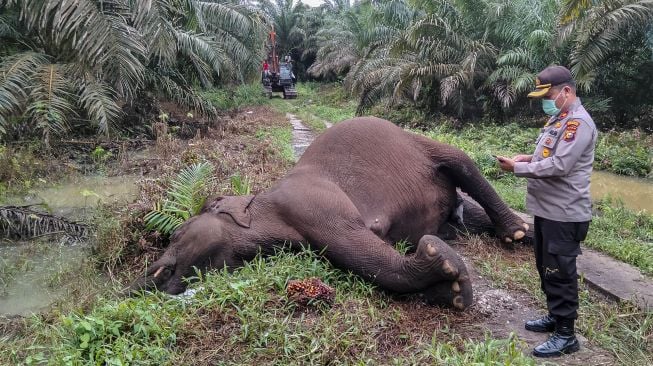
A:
559, 173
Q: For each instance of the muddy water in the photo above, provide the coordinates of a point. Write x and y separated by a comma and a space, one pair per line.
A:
29, 270
30, 273
77, 197
636, 193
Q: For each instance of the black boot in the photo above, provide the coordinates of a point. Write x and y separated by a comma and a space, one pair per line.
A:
563, 341
545, 324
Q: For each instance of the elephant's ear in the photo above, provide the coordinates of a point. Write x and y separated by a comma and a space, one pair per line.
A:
234, 206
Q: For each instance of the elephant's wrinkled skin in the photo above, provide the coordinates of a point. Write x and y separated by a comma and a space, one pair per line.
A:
361, 186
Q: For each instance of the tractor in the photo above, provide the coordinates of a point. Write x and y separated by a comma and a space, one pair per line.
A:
279, 77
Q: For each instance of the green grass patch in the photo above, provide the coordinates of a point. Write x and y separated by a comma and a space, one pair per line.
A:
244, 317
281, 138
236, 97
623, 234
317, 104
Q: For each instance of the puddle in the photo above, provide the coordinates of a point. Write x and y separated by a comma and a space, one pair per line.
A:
636, 193
30, 271
75, 197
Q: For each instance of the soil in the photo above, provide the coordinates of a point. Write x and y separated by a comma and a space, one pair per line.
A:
498, 312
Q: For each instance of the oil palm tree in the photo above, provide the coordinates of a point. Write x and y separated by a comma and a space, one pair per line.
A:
434, 49
285, 18
84, 58
599, 29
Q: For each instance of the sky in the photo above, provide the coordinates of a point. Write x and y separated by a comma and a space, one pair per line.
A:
313, 2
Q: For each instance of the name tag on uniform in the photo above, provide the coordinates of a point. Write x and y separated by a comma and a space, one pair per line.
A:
553, 132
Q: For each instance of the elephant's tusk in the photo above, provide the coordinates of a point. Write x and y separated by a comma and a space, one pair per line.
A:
158, 272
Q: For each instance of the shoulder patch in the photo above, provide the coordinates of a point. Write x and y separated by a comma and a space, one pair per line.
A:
570, 130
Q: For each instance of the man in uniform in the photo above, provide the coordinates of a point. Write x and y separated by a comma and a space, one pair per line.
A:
558, 176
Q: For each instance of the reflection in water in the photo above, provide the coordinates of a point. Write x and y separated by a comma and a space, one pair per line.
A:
30, 271
73, 198
636, 193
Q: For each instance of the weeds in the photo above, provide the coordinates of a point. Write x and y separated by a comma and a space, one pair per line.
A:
281, 138
244, 318
240, 185
317, 104
234, 98
186, 197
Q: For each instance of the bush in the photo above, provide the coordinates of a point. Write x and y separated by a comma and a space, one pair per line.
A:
626, 153
233, 98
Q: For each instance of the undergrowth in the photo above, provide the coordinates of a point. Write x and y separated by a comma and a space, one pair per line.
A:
244, 317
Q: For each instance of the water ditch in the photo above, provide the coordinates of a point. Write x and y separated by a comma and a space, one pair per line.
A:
31, 270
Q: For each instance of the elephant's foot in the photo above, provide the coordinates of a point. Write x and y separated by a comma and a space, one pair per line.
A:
512, 228
452, 285
457, 294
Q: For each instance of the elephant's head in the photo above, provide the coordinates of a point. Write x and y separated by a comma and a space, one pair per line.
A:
203, 242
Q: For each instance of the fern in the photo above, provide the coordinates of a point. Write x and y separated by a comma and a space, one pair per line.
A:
184, 199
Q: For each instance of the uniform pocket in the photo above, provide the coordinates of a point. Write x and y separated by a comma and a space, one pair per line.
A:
581, 231
567, 248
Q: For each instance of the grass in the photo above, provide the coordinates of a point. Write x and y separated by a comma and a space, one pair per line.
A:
244, 317
231, 98
621, 329
317, 104
281, 138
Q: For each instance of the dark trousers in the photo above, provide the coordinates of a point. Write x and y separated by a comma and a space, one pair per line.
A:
556, 246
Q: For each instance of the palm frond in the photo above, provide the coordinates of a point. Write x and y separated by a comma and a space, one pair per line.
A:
98, 101
49, 103
184, 199
16, 80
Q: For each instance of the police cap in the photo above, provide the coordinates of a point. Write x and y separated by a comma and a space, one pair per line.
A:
548, 78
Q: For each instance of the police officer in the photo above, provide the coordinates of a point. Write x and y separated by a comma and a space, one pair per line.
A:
558, 176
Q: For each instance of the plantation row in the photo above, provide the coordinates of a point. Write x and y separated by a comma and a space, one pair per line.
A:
82, 66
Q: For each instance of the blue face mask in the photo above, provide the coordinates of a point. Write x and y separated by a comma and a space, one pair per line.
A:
549, 105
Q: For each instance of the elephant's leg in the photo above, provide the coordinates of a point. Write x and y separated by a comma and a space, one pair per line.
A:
462, 170
333, 225
434, 269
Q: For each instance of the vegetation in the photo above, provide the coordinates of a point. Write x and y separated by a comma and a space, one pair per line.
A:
474, 58
452, 70
263, 326
69, 64
186, 197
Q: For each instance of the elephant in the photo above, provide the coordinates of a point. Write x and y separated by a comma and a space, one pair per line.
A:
361, 186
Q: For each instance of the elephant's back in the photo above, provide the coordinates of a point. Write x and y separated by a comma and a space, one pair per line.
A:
361, 142
385, 172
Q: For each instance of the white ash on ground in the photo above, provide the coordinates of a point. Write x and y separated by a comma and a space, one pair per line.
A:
492, 301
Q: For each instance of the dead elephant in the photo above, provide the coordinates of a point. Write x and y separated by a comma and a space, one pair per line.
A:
362, 185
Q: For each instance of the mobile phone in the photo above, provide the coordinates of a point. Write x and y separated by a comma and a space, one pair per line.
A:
496, 157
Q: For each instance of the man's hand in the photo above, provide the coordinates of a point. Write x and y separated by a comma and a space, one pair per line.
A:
522, 158
506, 164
